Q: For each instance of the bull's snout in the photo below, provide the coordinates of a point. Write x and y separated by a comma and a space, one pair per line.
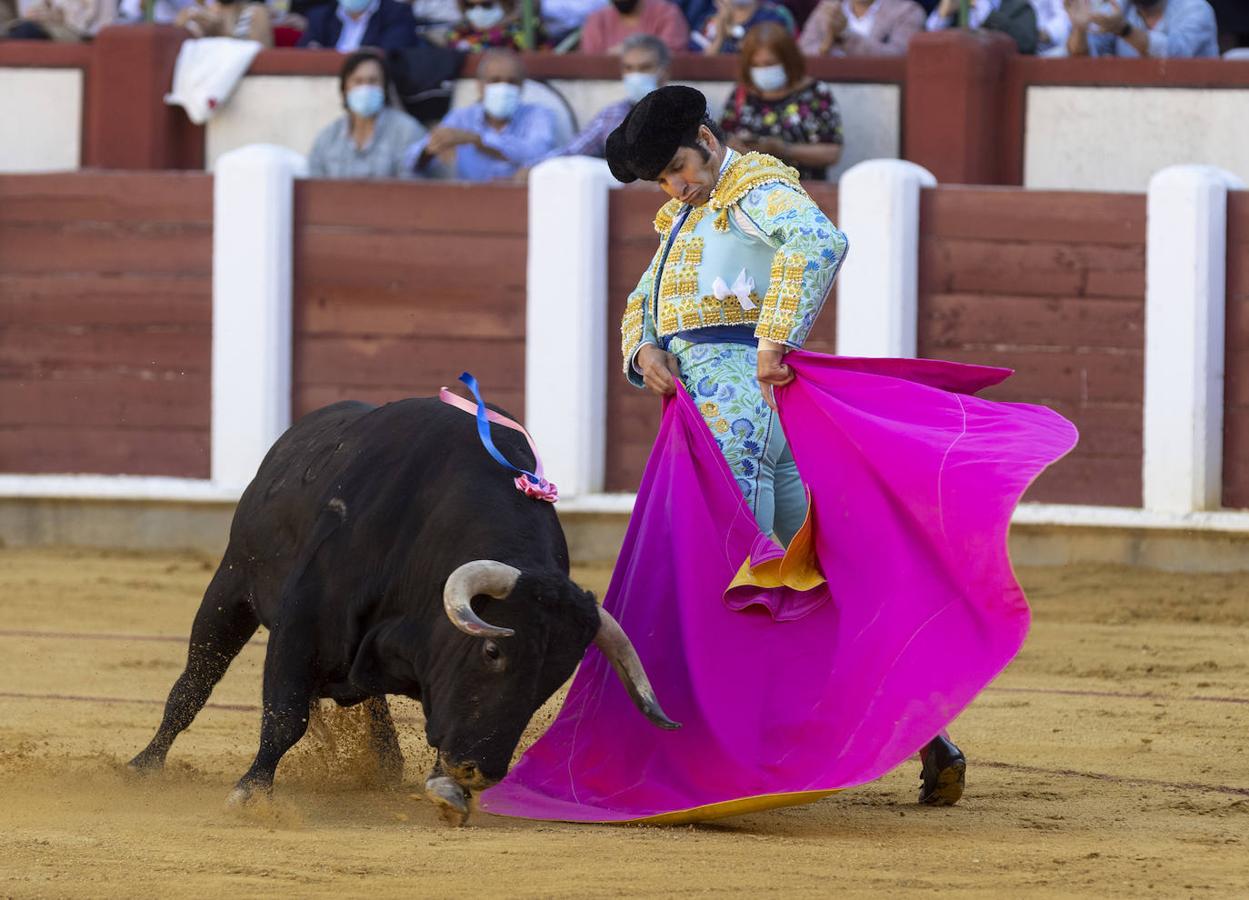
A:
467, 773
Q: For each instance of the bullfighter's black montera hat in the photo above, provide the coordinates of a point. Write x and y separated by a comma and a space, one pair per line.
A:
650, 135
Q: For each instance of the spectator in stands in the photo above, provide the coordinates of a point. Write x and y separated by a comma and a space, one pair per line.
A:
163, 12
249, 21
606, 29
776, 109
1158, 28
800, 10
56, 20
644, 61
491, 139
488, 23
562, 18
723, 31
861, 28
695, 11
1015, 18
1233, 20
436, 14
372, 139
1053, 27
348, 25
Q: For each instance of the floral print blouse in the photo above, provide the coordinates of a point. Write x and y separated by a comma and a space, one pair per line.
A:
511, 35
807, 115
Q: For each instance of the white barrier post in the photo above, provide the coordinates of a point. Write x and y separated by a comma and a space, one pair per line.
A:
877, 295
1185, 308
251, 332
566, 320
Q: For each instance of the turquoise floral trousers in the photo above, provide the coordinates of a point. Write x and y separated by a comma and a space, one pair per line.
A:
721, 379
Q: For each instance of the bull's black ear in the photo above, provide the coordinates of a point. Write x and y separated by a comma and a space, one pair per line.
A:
386, 662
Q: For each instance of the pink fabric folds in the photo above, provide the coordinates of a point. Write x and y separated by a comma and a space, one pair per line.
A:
913, 481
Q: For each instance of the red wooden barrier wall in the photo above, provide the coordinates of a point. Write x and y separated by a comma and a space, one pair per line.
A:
1052, 285
105, 323
633, 415
399, 287
1236, 383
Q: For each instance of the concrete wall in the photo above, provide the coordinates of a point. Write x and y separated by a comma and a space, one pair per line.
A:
286, 110
1116, 138
42, 111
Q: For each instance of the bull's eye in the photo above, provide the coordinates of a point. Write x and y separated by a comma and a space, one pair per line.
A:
494, 656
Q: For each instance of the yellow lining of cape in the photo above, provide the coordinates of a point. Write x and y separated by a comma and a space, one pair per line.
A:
798, 569
744, 806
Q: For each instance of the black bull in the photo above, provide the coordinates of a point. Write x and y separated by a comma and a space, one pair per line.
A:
362, 544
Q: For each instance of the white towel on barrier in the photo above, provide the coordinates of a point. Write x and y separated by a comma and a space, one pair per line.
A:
206, 73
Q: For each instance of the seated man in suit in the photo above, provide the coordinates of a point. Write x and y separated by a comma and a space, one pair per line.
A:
348, 25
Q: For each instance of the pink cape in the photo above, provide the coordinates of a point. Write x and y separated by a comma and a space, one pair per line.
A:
913, 482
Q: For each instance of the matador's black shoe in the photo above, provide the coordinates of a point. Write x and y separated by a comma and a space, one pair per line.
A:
943, 773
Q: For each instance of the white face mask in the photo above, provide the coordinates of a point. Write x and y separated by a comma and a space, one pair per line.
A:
638, 84
483, 18
501, 99
769, 78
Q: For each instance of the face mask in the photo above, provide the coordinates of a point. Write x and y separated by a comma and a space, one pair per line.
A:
625, 7
638, 84
769, 78
501, 100
483, 18
366, 100
355, 7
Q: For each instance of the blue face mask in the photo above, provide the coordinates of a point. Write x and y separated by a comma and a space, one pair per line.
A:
638, 84
355, 7
501, 100
366, 100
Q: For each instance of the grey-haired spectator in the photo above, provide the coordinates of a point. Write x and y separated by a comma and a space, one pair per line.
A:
644, 61
372, 139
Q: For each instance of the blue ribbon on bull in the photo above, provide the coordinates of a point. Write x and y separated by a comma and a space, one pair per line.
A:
532, 484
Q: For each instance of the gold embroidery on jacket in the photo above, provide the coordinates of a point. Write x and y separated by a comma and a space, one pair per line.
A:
631, 327
780, 306
782, 201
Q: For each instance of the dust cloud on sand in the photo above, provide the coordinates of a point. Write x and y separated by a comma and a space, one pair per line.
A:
1109, 760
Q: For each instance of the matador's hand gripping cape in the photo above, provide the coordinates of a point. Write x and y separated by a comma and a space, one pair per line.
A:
796, 690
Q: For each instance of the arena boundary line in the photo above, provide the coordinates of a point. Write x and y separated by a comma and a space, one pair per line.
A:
159, 489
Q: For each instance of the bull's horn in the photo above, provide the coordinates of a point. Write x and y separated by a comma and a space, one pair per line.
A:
481, 576
616, 646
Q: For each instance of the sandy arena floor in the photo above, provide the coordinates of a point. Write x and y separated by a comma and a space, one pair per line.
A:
1110, 760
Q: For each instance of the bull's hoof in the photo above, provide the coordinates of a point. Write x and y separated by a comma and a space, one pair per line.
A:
146, 764
943, 775
449, 799
245, 794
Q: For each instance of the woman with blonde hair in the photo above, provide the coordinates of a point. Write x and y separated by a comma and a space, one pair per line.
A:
776, 109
